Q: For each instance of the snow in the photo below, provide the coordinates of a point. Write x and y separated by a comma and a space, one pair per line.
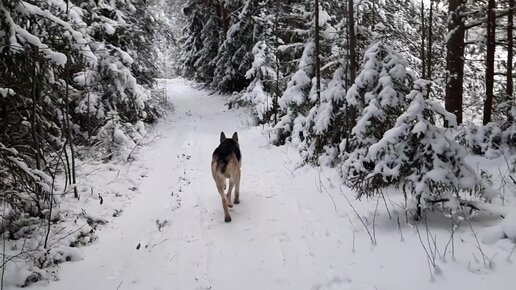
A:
509, 226
58, 58
125, 56
260, 73
11, 150
323, 119
21, 165
296, 227
4, 92
14, 276
110, 30
502, 234
420, 127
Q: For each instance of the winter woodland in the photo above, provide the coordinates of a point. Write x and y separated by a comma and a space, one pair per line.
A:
366, 127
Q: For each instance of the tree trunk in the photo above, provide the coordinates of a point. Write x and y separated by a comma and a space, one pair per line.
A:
491, 39
34, 131
275, 105
455, 58
510, 53
317, 53
352, 42
224, 16
88, 112
68, 171
68, 124
318, 138
423, 36
351, 112
429, 43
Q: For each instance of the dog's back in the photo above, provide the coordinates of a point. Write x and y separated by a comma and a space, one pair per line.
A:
226, 154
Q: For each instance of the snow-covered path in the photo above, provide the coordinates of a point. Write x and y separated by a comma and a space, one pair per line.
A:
262, 248
292, 230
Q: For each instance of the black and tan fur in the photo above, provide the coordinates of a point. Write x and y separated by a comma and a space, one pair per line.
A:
226, 162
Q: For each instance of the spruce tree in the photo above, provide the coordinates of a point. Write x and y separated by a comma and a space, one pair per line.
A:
379, 94
418, 155
235, 57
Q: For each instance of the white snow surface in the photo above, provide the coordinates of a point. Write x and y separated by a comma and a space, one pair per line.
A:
294, 228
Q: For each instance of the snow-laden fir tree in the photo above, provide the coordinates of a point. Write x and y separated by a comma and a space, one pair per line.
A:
167, 48
235, 56
294, 102
205, 60
396, 21
201, 40
70, 72
323, 129
301, 93
419, 156
264, 74
40, 44
325, 123
116, 93
379, 95
191, 42
259, 93
141, 21
493, 139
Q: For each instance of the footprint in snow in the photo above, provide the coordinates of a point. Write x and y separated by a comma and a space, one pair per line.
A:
335, 283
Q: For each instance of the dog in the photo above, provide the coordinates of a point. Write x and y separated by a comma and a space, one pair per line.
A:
226, 163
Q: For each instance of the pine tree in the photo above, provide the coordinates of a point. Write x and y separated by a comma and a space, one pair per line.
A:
303, 92
202, 36
264, 72
294, 102
69, 69
191, 42
235, 56
379, 94
331, 82
115, 93
417, 155
38, 54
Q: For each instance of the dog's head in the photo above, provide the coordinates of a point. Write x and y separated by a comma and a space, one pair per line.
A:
223, 137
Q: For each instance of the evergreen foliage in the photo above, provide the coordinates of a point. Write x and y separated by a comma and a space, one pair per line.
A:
295, 64
234, 56
420, 157
73, 74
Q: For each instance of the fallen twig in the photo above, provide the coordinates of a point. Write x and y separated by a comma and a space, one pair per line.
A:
373, 241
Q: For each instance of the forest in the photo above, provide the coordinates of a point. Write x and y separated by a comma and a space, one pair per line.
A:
390, 94
393, 93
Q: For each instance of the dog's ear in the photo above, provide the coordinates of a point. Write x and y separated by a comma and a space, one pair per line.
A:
222, 137
235, 136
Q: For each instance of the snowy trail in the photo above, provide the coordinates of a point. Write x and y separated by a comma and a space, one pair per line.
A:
292, 230
195, 249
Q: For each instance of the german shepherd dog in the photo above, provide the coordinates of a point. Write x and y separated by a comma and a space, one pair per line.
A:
225, 163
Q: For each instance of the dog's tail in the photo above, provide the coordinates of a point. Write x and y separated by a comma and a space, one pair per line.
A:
222, 165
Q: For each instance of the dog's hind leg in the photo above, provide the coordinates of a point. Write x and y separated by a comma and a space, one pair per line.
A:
228, 195
220, 188
237, 188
